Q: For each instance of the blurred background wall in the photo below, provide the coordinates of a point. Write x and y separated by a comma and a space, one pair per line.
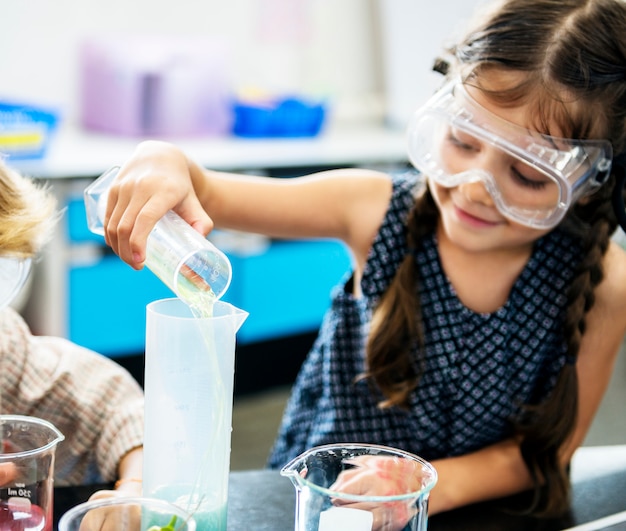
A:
371, 56
317, 46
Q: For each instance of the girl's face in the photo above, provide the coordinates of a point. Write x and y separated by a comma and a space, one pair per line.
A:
469, 216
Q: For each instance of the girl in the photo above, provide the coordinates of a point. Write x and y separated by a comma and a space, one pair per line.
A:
487, 303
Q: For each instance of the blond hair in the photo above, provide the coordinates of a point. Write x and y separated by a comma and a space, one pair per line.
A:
27, 214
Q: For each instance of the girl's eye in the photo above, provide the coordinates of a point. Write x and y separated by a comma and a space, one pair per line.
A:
533, 182
457, 142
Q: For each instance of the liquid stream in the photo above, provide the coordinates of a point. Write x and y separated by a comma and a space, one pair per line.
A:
201, 299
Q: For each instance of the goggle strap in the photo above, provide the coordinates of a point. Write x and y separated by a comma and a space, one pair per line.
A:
441, 66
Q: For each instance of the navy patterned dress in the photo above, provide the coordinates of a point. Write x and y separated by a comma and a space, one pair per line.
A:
478, 367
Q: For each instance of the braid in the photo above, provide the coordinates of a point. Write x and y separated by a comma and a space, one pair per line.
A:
547, 426
396, 321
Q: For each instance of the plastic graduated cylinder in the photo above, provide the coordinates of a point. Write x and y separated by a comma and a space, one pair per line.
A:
181, 257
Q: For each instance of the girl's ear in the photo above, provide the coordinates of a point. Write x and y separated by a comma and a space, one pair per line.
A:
583, 200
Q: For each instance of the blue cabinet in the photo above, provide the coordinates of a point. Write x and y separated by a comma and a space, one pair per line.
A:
286, 289
107, 305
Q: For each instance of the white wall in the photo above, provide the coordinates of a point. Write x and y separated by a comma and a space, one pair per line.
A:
413, 35
321, 46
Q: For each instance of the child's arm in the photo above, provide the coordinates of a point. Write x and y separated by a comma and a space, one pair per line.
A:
129, 473
492, 472
345, 204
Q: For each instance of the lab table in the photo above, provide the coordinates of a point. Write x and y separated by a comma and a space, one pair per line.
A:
263, 500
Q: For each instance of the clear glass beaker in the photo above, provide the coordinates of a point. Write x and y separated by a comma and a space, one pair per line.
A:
189, 371
322, 505
126, 514
27, 462
13, 275
181, 257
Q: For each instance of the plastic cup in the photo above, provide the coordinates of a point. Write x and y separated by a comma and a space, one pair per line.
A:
126, 514
181, 257
185, 261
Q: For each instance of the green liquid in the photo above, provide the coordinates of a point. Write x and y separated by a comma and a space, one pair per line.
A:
211, 520
200, 301
151, 520
188, 283
208, 516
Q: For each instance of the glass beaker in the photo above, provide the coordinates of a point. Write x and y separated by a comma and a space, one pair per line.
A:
176, 253
13, 275
323, 505
27, 464
189, 370
126, 514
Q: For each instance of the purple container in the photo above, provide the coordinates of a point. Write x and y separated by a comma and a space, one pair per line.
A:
155, 86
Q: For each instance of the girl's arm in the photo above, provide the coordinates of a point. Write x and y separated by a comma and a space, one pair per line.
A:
492, 472
605, 332
344, 204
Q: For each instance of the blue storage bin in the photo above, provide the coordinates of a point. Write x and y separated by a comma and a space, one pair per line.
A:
25, 130
287, 117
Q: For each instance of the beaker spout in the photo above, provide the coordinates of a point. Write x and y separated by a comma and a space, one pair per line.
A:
239, 316
295, 470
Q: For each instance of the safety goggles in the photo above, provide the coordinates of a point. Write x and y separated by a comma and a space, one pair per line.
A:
532, 178
13, 275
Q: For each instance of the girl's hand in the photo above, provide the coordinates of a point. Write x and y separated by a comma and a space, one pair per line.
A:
381, 476
157, 178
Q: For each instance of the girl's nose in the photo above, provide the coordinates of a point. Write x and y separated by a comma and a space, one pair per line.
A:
476, 192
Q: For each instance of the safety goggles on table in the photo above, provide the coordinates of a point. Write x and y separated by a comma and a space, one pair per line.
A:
537, 176
13, 274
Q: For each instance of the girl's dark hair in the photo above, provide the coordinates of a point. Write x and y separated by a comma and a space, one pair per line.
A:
573, 56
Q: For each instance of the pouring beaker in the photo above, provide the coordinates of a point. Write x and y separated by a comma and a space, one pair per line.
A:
323, 505
27, 462
181, 257
189, 370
